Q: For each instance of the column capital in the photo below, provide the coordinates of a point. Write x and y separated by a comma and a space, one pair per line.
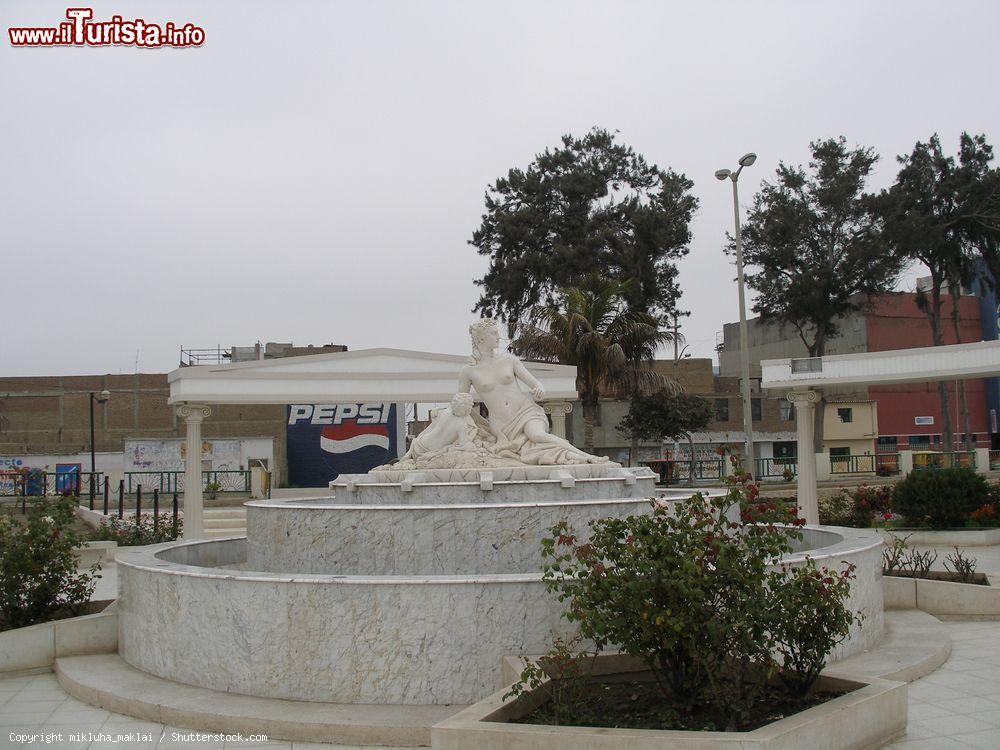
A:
810, 398
557, 407
193, 412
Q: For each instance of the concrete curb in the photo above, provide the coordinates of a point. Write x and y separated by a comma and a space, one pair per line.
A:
942, 597
109, 682
36, 647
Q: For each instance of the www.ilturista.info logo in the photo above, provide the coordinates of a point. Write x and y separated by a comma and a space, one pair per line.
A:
82, 31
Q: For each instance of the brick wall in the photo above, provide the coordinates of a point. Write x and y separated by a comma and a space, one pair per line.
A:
51, 415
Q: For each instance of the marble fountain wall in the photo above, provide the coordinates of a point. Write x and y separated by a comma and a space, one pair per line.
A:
328, 601
432, 528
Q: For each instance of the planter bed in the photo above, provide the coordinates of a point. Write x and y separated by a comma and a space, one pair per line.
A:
867, 713
937, 597
37, 646
983, 537
978, 579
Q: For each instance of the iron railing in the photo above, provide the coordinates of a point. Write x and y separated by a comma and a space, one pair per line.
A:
711, 468
36, 484
864, 464
887, 464
769, 468
944, 460
229, 480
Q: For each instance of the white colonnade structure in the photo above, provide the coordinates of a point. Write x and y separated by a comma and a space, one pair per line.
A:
362, 376
803, 376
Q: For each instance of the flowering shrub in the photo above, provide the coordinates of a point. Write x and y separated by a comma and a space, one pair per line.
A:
754, 509
564, 664
861, 507
809, 619
39, 580
130, 532
984, 515
702, 600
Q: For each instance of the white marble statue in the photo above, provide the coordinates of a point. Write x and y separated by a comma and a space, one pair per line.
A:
517, 423
516, 432
450, 429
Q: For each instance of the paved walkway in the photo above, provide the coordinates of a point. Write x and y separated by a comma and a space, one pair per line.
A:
954, 708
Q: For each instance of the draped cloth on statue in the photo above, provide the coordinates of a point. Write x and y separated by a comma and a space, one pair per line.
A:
519, 446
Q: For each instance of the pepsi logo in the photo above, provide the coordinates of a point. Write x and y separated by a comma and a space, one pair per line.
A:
336, 413
349, 436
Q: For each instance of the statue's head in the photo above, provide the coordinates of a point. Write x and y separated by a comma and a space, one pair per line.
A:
461, 404
485, 336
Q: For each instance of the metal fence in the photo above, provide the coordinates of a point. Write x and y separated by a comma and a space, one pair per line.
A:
887, 464
39, 483
864, 464
769, 468
944, 460
712, 468
230, 480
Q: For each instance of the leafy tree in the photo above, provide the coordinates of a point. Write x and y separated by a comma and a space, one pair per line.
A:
667, 415
589, 204
814, 241
945, 214
612, 346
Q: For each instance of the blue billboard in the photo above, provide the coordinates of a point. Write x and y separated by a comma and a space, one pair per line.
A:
326, 440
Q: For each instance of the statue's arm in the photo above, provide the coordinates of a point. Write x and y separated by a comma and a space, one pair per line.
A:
464, 381
521, 372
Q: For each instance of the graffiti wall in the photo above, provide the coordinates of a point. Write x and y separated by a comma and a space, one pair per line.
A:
169, 455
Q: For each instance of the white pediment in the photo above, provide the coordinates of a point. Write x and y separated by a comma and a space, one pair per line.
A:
343, 377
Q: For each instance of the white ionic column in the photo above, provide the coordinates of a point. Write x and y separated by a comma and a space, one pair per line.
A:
805, 411
558, 410
193, 415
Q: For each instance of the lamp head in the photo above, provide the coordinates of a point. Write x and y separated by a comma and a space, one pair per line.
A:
722, 174
105, 395
748, 159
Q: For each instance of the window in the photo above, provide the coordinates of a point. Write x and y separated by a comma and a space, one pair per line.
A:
722, 410
845, 415
835, 452
887, 444
755, 409
807, 364
785, 449
786, 410
919, 442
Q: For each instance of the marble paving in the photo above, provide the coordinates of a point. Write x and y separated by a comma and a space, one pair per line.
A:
955, 708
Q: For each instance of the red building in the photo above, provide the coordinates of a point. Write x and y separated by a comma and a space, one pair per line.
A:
910, 415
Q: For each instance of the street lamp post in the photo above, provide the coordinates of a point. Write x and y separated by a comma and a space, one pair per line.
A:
100, 398
724, 174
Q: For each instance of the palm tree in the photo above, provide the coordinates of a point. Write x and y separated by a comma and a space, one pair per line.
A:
590, 326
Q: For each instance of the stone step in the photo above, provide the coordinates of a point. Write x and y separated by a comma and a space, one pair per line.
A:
914, 644
225, 512
224, 532
220, 523
106, 680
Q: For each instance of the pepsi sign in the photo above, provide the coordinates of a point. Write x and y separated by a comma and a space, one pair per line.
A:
326, 440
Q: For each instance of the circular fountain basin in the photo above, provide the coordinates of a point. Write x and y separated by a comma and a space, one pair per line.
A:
194, 612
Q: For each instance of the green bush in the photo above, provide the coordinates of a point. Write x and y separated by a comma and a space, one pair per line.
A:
940, 498
39, 580
702, 600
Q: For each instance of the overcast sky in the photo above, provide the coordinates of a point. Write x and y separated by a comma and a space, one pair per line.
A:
314, 171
